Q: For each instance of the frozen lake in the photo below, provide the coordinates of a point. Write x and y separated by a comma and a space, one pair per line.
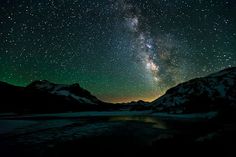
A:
63, 132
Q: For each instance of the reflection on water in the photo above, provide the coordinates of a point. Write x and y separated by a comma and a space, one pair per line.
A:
156, 123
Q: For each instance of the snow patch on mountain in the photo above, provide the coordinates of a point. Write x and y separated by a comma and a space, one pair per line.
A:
70, 91
201, 93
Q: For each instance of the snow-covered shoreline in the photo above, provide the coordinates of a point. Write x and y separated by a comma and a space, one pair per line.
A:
207, 115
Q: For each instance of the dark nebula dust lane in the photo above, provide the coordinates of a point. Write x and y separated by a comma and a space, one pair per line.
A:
120, 50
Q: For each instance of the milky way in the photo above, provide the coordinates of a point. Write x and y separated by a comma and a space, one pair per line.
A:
120, 50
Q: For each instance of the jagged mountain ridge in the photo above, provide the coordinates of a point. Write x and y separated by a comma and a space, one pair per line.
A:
204, 94
44, 96
73, 91
213, 92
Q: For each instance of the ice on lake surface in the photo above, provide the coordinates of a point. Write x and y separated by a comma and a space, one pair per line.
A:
44, 132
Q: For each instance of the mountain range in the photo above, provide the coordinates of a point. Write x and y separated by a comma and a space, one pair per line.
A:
213, 92
46, 97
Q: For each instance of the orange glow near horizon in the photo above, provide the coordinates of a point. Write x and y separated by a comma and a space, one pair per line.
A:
129, 99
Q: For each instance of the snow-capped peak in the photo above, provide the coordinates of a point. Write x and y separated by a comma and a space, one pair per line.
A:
73, 91
201, 94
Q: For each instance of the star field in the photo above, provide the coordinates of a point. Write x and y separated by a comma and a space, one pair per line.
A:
120, 50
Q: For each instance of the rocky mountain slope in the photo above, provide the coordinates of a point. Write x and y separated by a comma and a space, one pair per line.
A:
213, 92
44, 96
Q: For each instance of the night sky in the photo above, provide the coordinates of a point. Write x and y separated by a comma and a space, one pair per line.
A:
119, 50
